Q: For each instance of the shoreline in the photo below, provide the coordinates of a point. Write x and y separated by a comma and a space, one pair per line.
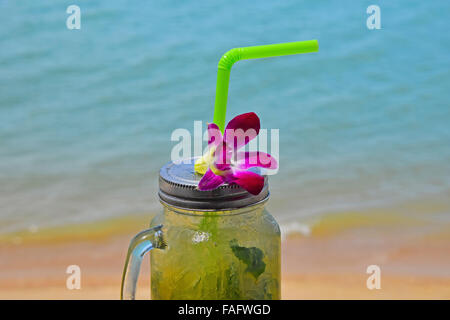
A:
417, 215
332, 265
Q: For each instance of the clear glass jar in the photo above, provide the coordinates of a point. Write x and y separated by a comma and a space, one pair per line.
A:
205, 251
217, 255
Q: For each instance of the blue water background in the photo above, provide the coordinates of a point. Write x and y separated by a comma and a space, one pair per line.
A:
86, 115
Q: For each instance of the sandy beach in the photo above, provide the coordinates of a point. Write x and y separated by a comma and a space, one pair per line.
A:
331, 266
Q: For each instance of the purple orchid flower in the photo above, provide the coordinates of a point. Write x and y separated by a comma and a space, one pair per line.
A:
223, 163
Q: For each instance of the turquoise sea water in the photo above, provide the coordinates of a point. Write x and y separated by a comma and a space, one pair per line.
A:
86, 115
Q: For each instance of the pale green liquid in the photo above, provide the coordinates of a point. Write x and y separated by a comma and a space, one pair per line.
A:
224, 256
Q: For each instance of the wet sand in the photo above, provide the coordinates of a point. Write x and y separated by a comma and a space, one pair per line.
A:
332, 266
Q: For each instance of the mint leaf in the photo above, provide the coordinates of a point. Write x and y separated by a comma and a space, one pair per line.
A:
252, 257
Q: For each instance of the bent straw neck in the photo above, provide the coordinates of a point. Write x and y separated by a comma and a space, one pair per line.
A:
232, 56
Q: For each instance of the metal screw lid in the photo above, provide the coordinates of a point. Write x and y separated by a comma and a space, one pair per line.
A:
178, 187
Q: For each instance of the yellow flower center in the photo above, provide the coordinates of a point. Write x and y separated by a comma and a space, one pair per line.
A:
207, 161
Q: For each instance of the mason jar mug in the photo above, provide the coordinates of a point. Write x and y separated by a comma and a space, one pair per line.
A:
219, 244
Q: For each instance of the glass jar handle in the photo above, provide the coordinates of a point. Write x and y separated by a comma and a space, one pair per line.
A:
142, 243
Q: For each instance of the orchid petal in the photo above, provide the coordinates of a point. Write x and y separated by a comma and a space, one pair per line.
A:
210, 181
250, 181
214, 140
241, 129
214, 135
223, 156
250, 159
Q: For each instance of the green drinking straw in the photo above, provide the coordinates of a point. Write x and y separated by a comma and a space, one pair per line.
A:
236, 54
